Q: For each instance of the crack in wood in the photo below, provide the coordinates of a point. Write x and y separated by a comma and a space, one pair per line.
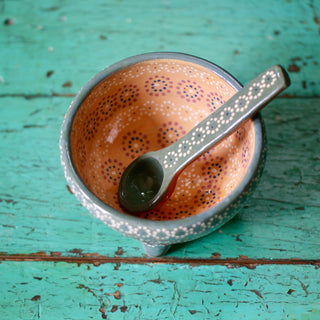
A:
97, 260
36, 96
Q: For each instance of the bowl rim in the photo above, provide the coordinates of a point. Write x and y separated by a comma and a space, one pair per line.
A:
71, 172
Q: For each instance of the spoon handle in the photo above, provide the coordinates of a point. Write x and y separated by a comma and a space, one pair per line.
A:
242, 106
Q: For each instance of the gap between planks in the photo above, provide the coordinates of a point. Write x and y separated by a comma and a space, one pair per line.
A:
97, 260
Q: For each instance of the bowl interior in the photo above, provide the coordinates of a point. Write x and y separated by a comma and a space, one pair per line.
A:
147, 106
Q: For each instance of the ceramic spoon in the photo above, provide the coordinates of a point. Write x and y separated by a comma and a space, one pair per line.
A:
150, 179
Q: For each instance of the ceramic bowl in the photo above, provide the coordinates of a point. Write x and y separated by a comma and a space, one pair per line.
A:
145, 103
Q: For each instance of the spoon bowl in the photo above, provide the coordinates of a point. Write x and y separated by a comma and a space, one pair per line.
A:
141, 183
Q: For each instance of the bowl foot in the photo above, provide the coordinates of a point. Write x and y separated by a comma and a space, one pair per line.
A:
155, 250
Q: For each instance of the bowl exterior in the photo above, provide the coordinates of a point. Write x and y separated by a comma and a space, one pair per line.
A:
161, 233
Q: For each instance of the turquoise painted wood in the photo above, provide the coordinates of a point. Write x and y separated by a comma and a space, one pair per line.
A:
76, 41
46, 217
48, 51
40, 290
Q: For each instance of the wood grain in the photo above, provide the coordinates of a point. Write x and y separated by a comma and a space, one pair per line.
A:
56, 43
158, 291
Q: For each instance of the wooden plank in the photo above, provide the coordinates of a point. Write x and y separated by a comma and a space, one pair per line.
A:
37, 213
45, 290
55, 47
58, 262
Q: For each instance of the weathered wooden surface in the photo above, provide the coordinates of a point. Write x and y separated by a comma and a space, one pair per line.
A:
39, 214
66, 264
76, 41
128, 291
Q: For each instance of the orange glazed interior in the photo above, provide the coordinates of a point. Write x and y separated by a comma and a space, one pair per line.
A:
146, 107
